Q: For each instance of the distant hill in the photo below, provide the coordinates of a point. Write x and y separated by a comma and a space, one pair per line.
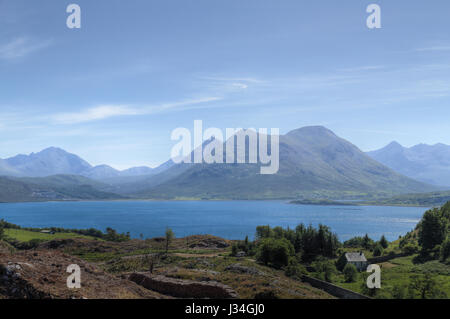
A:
314, 162
59, 187
54, 161
426, 163
434, 199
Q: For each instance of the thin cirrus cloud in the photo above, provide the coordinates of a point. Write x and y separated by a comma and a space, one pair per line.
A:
434, 48
107, 111
21, 47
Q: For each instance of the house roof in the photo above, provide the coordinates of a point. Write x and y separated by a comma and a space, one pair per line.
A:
355, 257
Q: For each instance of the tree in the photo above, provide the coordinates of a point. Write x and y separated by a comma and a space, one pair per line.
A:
383, 242
341, 263
350, 273
378, 250
263, 232
425, 285
2, 233
367, 242
324, 269
169, 237
275, 252
432, 229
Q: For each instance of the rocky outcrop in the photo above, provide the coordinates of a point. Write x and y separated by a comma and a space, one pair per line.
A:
39, 274
207, 242
183, 288
14, 286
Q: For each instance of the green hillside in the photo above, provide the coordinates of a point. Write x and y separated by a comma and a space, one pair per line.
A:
433, 199
59, 187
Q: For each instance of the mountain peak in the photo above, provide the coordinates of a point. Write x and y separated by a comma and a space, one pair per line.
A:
394, 145
312, 131
53, 149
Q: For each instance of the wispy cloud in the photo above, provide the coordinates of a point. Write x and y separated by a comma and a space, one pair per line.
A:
434, 48
95, 113
363, 68
21, 46
107, 111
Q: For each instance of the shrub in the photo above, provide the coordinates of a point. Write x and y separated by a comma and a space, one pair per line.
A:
399, 292
275, 252
350, 273
266, 294
325, 269
294, 269
425, 287
410, 249
378, 250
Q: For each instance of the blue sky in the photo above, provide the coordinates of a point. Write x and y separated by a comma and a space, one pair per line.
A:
113, 91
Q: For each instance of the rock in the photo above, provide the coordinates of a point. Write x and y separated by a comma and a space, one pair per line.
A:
183, 288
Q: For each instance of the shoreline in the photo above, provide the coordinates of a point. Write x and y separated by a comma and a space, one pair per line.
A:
287, 201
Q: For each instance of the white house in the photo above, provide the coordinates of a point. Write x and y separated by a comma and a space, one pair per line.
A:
358, 259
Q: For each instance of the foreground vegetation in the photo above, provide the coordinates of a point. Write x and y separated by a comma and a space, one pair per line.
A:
416, 265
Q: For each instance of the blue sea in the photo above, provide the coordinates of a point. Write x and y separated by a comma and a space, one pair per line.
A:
227, 219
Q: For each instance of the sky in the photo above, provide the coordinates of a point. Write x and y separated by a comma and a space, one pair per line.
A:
113, 91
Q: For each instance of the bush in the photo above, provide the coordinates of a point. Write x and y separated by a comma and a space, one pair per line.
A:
266, 294
350, 273
410, 249
383, 242
275, 252
324, 269
378, 250
425, 287
294, 269
399, 292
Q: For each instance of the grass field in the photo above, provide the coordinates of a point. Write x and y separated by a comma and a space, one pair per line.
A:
25, 235
398, 272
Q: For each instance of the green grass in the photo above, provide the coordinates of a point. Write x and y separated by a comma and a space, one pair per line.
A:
398, 272
26, 235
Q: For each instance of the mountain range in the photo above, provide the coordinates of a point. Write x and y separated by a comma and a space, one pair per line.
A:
54, 161
314, 163
426, 163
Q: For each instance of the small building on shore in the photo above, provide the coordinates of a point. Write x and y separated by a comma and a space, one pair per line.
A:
47, 231
358, 259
